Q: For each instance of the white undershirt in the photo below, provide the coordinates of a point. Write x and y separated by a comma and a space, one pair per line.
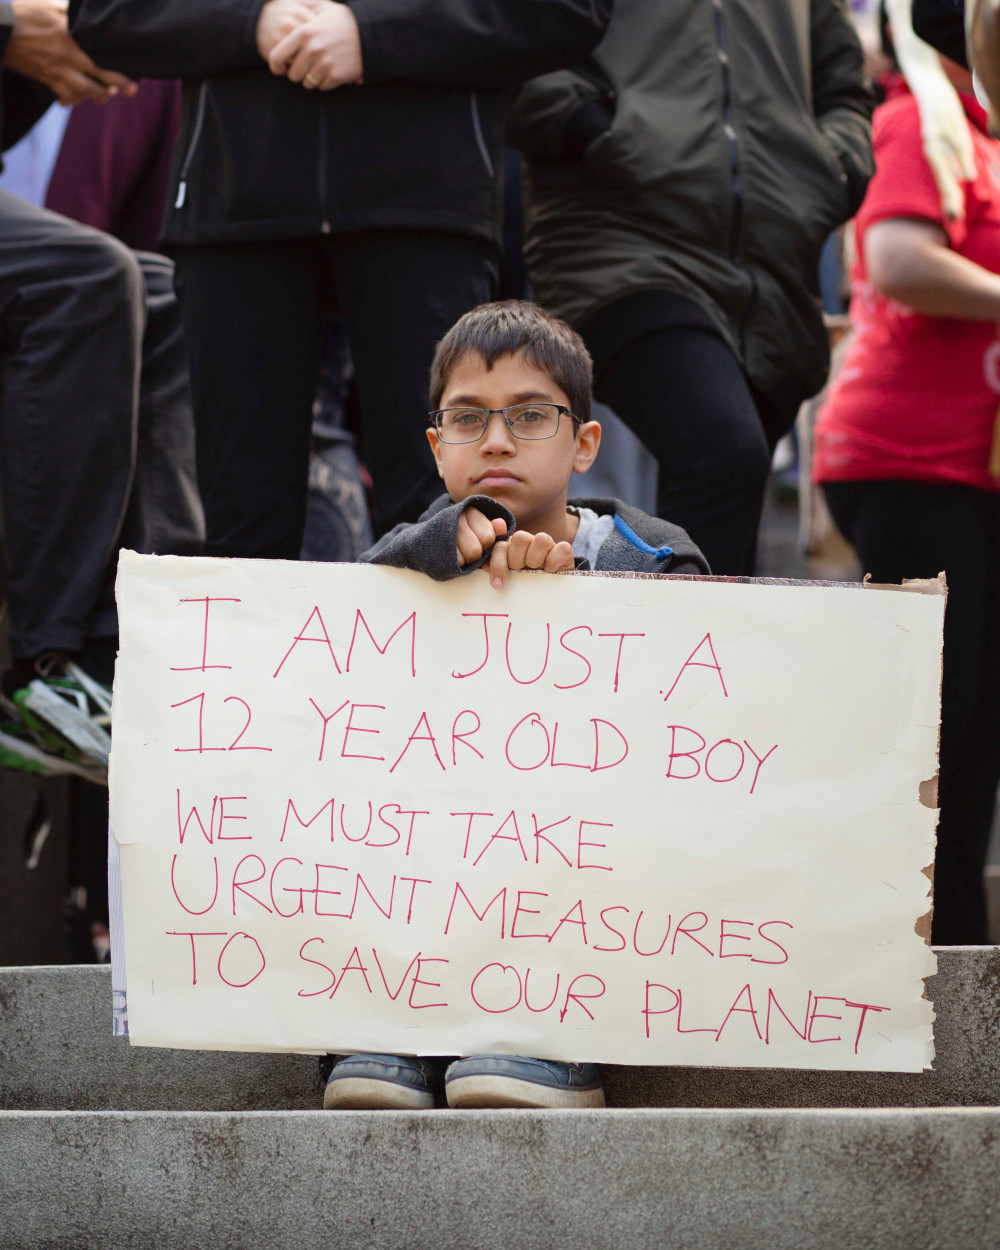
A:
591, 534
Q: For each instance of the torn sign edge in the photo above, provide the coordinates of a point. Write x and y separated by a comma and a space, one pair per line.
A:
928, 788
928, 792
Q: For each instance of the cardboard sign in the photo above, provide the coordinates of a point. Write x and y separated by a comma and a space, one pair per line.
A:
631, 820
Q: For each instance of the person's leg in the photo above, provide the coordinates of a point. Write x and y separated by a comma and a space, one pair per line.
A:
165, 515
71, 320
253, 315
907, 529
399, 292
962, 919
338, 519
682, 391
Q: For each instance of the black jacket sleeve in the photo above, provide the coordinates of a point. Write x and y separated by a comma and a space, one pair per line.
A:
556, 117
429, 545
475, 43
842, 97
168, 38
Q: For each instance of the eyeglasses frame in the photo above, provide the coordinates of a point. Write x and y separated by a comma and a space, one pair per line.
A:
563, 411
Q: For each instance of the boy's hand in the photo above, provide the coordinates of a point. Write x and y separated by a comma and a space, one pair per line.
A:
476, 535
528, 551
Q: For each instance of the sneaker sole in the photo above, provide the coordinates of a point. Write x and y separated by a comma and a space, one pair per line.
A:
506, 1091
358, 1093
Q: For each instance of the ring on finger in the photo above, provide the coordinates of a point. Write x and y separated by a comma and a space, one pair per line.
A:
310, 81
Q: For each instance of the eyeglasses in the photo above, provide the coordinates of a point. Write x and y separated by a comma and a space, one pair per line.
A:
528, 421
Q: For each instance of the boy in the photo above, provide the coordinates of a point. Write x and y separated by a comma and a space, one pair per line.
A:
510, 386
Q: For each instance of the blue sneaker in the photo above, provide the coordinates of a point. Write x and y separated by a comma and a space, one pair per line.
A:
379, 1083
515, 1081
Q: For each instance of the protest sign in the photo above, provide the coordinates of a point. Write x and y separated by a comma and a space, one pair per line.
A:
630, 820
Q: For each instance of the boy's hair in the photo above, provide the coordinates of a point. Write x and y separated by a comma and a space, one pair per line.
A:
508, 327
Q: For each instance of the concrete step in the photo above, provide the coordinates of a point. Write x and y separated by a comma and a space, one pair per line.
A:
716, 1180
57, 1053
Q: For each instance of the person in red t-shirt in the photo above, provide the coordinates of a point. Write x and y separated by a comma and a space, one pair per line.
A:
908, 453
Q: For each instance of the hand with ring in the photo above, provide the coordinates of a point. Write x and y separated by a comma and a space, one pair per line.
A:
323, 52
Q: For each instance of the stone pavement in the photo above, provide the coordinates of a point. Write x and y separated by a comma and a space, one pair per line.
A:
442, 1180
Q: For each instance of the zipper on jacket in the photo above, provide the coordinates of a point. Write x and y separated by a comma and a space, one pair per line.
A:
477, 127
199, 121
322, 161
730, 133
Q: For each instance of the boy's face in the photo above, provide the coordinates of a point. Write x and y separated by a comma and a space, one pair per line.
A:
530, 476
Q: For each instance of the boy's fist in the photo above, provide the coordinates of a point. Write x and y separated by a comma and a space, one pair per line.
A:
476, 535
529, 551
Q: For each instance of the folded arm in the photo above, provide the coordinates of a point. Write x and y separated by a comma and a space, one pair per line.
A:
169, 38
475, 43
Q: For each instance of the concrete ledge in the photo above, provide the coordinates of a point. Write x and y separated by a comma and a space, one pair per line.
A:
57, 1052
718, 1180
966, 1072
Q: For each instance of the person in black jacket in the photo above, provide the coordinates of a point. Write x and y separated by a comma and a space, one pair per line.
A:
679, 187
381, 196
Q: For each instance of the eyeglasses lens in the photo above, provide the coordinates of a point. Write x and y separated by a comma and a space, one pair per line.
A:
528, 421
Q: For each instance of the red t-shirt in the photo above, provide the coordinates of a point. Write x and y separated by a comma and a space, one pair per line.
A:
917, 396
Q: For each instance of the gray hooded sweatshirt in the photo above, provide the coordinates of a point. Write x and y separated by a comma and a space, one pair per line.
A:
637, 542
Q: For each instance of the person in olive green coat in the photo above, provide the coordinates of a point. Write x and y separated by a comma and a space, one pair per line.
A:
680, 185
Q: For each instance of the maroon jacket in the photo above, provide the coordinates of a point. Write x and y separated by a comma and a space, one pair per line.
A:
113, 168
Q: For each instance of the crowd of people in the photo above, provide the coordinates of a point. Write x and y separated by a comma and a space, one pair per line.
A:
269, 224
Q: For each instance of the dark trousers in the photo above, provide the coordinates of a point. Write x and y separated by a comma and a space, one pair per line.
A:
254, 316
681, 390
908, 529
76, 323
71, 322
164, 514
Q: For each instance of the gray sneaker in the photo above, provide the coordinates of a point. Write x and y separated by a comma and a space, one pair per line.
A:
516, 1081
379, 1083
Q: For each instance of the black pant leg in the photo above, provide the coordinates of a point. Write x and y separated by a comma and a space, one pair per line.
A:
910, 529
71, 321
253, 315
961, 915
165, 515
682, 391
399, 292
